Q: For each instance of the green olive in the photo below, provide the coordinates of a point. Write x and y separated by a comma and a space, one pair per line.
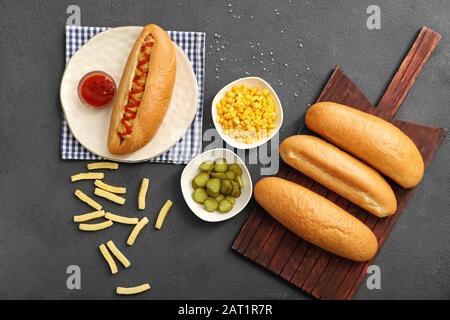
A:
235, 168
220, 165
231, 199
201, 179
225, 206
199, 195
211, 204
207, 166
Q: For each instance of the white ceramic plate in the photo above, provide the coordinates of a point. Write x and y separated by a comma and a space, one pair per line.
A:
108, 52
252, 82
192, 169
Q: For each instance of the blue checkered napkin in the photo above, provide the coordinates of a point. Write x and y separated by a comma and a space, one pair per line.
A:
190, 145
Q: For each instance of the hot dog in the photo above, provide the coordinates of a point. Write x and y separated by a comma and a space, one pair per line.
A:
144, 92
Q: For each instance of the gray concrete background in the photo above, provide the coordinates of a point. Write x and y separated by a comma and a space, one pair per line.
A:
190, 258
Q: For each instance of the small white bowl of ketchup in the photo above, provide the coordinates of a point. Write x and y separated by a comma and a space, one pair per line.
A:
96, 89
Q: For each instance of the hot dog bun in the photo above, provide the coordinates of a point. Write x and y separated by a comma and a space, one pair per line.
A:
370, 138
156, 98
339, 172
316, 219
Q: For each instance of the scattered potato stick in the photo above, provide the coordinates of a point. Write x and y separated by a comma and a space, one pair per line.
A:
103, 165
109, 259
119, 255
95, 226
121, 219
109, 187
162, 214
87, 176
83, 197
133, 290
142, 194
110, 196
89, 216
137, 228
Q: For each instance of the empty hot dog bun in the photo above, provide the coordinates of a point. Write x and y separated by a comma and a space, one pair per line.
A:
372, 139
316, 219
144, 92
339, 172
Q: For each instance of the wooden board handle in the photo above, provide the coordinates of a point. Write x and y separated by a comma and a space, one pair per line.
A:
407, 73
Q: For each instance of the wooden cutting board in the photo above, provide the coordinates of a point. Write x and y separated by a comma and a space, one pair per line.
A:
316, 271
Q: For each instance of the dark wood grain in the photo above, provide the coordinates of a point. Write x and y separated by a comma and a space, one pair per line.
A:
318, 272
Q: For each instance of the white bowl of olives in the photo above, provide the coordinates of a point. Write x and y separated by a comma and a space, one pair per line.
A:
216, 185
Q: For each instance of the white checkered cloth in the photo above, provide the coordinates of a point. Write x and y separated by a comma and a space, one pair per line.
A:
190, 145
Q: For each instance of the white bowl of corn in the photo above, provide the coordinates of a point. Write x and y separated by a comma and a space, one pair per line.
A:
247, 113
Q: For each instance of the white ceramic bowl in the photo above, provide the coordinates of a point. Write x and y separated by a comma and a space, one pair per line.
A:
192, 169
253, 82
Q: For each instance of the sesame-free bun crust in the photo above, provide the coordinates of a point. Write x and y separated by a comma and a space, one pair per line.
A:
316, 219
339, 172
158, 92
372, 139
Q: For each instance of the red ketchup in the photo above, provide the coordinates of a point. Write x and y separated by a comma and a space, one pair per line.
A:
96, 89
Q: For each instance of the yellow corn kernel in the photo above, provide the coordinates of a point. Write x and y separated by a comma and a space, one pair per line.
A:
246, 113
